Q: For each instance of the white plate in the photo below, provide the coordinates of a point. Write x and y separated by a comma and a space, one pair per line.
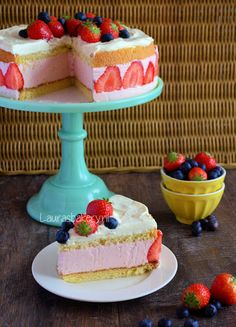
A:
109, 290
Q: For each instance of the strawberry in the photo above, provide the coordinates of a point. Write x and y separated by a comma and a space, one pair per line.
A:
149, 76
53, 18
173, 160
56, 28
39, 30
2, 79
90, 15
223, 288
155, 249
72, 26
134, 75
206, 159
108, 27
85, 225
100, 209
89, 32
119, 25
109, 81
196, 296
13, 78
197, 174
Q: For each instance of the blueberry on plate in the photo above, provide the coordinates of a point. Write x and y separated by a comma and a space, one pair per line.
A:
191, 322
213, 174
81, 16
124, 34
185, 167
23, 33
111, 223
62, 236
177, 174
217, 304
201, 165
192, 162
182, 312
165, 322
210, 310
44, 16
107, 37
196, 228
67, 225
146, 323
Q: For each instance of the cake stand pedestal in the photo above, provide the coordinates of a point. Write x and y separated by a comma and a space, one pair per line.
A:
67, 193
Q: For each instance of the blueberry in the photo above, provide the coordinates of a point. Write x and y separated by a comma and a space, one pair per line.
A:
210, 310
107, 37
192, 162
204, 223
201, 165
165, 322
212, 225
146, 323
63, 22
182, 312
191, 322
196, 228
124, 34
217, 304
23, 33
177, 174
62, 236
98, 20
212, 174
220, 170
185, 167
111, 223
81, 16
44, 16
67, 225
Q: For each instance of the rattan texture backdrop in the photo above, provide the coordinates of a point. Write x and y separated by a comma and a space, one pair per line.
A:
197, 111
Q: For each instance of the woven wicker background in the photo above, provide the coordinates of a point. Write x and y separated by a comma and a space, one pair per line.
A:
197, 44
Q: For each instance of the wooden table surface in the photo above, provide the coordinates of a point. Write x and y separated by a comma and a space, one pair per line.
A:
25, 303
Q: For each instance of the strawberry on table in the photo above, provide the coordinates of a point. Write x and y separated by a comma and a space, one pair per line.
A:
2, 79
109, 81
108, 27
72, 26
85, 225
197, 174
13, 78
39, 30
173, 160
155, 249
100, 209
134, 75
150, 72
56, 28
196, 296
223, 288
207, 159
89, 32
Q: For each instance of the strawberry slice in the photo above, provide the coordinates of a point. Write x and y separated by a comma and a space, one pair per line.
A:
155, 249
13, 78
2, 79
149, 76
134, 75
109, 81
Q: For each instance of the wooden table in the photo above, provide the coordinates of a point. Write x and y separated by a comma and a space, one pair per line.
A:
25, 303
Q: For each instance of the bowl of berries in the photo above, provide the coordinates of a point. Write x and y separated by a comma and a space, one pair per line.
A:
200, 175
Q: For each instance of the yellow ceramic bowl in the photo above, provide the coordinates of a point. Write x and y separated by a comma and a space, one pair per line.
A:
190, 207
193, 187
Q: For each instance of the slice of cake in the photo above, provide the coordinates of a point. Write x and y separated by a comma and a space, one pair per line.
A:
113, 239
105, 59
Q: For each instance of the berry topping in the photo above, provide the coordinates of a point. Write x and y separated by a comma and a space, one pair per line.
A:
56, 28
191, 322
197, 174
206, 159
100, 209
196, 296
124, 33
98, 20
177, 174
53, 18
72, 26
196, 228
111, 223
109, 81
13, 78
23, 33
134, 75
210, 310
67, 225
223, 288
62, 236
62, 21
120, 26
165, 322
185, 167
85, 225
44, 16
89, 32
107, 27
107, 37
39, 30
155, 249
2, 78
146, 323
81, 16
173, 161
182, 312
149, 76
90, 15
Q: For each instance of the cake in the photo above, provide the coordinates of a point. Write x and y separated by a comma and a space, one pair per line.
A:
105, 59
97, 247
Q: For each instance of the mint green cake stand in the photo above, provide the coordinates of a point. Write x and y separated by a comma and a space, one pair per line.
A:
67, 193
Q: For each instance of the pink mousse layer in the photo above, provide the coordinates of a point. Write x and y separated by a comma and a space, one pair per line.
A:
126, 255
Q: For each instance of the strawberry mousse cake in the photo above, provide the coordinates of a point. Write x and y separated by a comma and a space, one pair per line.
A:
105, 59
114, 238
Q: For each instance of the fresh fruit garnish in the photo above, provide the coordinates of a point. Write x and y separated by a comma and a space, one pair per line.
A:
100, 209
85, 225
13, 78
210, 311
149, 75
44, 16
177, 174
146, 323
182, 312
212, 223
110, 222
62, 236
196, 228
196, 296
107, 37
89, 32
173, 160
2, 78
124, 33
67, 225
109, 81
206, 159
223, 288
191, 322
165, 322
81, 16
185, 167
197, 174
98, 20
72, 26
217, 304
53, 18
134, 75
119, 25
109, 28
56, 28
90, 15
63, 22
39, 30
23, 33
155, 249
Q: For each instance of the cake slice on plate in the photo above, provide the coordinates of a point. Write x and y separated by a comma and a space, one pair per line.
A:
115, 238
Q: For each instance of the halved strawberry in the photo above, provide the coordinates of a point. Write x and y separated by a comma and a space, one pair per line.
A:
149, 76
2, 78
155, 249
39, 30
13, 78
134, 75
109, 81
56, 28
